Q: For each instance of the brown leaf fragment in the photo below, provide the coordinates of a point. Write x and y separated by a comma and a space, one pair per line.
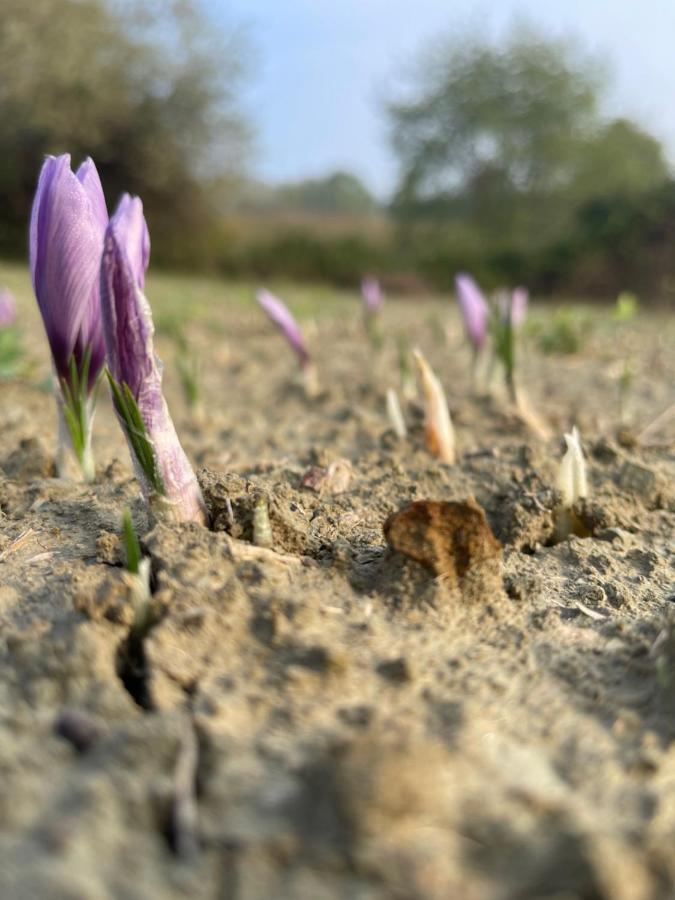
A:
451, 538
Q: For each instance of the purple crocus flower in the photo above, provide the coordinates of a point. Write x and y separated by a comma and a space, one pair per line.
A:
519, 302
474, 309
168, 481
373, 298
7, 308
67, 225
512, 305
283, 318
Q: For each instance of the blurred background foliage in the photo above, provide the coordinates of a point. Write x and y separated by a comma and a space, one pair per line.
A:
147, 89
507, 165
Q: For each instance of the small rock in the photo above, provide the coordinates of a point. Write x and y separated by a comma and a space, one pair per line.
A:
394, 670
604, 451
591, 593
332, 479
109, 549
317, 658
638, 480
78, 728
613, 534
359, 716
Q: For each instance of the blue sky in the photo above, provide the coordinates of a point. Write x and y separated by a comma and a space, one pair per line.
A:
321, 66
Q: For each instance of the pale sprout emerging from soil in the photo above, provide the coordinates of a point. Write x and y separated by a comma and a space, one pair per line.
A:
572, 484
439, 433
137, 571
395, 415
262, 527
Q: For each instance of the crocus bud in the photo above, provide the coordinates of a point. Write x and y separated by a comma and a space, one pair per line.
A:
519, 303
281, 316
135, 373
7, 308
571, 481
474, 309
373, 298
67, 225
439, 433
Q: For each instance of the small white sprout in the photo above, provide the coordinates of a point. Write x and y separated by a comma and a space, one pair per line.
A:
440, 435
395, 415
136, 576
310, 380
571, 481
139, 585
262, 527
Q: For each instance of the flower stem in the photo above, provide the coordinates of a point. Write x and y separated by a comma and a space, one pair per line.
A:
75, 429
87, 461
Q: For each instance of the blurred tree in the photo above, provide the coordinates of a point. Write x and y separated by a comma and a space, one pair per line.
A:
618, 158
146, 88
340, 192
486, 125
504, 155
510, 137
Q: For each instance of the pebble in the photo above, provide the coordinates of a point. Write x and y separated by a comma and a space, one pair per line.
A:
638, 480
78, 728
395, 670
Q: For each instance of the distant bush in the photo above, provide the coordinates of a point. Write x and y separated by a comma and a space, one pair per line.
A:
299, 255
564, 333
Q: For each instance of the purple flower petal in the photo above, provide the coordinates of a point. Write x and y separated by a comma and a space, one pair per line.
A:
474, 309
131, 228
7, 308
128, 331
127, 322
87, 175
67, 225
519, 302
371, 292
282, 317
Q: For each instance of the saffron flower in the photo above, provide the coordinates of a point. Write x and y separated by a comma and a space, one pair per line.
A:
135, 373
373, 300
520, 298
509, 311
503, 332
10, 348
371, 292
474, 309
7, 308
67, 225
281, 316
438, 430
512, 306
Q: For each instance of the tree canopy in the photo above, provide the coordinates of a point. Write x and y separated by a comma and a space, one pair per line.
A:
147, 89
510, 138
